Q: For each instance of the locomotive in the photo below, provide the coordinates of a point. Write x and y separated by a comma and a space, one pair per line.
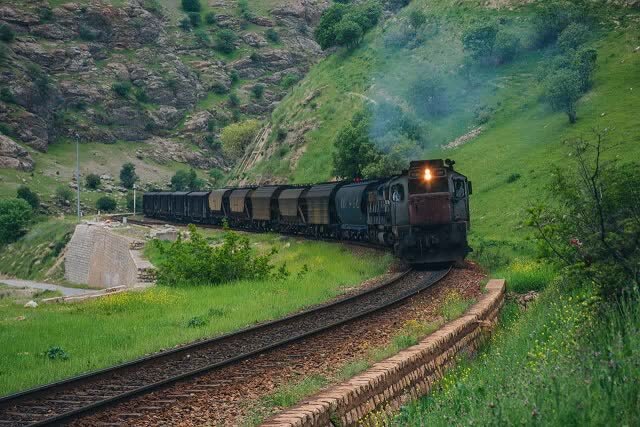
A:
422, 214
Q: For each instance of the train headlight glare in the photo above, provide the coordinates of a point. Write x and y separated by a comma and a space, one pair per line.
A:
427, 175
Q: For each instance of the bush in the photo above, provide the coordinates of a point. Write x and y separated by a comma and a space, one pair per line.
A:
234, 100
417, 18
479, 40
29, 196
272, 35
233, 75
353, 148
194, 19
325, 33
210, 18
237, 136
289, 80
40, 79
63, 195
186, 181
505, 47
15, 215
106, 204
243, 8
88, 33
429, 97
141, 95
348, 33
128, 175
553, 17
562, 90
202, 38
216, 176
258, 90
191, 5
185, 23
45, 13
6, 33
122, 88
92, 181
572, 37
195, 262
225, 41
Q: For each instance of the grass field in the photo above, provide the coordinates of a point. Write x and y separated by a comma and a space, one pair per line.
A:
115, 329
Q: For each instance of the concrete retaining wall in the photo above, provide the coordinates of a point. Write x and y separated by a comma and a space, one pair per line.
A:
405, 376
100, 258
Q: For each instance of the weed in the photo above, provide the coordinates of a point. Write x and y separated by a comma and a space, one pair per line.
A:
196, 322
56, 353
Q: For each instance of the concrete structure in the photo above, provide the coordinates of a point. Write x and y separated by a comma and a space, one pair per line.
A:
407, 375
100, 258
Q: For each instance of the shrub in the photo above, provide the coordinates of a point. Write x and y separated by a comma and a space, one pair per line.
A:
429, 97
272, 35
210, 18
15, 215
479, 40
56, 353
216, 176
141, 95
225, 41
202, 38
258, 90
6, 33
243, 8
553, 17
191, 5
106, 204
505, 47
348, 33
92, 181
234, 76
88, 33
399, 37
234, 100
237, 136
45, 13
281, 134
353, 148
185, 23
63, 195
289, 80
325, 33
29, 196
417, 18
128, 175
40, 79
573, 36
196, 322
121, 88
186, 181
562, 90
194, 19
195, 262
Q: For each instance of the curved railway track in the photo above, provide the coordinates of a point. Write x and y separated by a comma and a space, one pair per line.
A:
66, 400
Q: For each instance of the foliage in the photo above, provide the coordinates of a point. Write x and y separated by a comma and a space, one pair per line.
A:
562, 90
428, 96
257, 90
185, 24
210, 18
195, 262
138, 201
92, 181
6, 33
345, 24
186, 181
141, 95
194, 19
354, 150
237, 136
272, 35
553, 17
289, 80
216, 176
572, 37
191, 5
106, 204
121, 88
56, 353
15, 215
505, 47
202, 39
63, 195
30, 196
197, 322
417, 18
594, 229
128, 175
348, 33
325, 31
234, 99
45, 14
243, 8
40, 79
225, 40
479, 40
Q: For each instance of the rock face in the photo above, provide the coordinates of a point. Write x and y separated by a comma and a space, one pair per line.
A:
102, 72
13, 156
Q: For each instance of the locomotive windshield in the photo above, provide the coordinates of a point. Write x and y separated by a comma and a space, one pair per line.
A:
435, 185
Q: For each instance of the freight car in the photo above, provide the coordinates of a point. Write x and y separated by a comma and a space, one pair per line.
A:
422, 214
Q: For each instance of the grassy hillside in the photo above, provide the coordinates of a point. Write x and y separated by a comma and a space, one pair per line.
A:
521, 138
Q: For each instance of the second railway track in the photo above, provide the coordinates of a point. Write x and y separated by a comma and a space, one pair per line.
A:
70, 399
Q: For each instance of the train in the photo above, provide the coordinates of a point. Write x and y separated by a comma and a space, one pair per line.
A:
421, 214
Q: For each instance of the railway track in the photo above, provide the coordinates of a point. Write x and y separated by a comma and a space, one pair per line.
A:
70, 399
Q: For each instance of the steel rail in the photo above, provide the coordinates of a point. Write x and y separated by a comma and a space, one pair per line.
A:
35, 397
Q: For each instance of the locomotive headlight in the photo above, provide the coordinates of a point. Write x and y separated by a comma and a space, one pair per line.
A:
427, 175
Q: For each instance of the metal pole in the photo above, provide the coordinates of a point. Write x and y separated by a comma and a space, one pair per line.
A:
134, 199
78, 173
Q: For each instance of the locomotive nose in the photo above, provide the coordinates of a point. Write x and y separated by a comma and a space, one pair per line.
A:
430, 209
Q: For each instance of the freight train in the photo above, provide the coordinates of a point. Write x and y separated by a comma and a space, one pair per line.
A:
421, 214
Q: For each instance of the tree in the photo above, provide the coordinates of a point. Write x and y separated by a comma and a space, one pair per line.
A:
106, 204
92, 181
353, 148
128, 175
194, 19
225, 41
63, 195
6, 33
191, 5
185, 24
325, 33
29, 196
573, 36
348, 33
584, 63
122, 88
258, 90
272, 35
428, 96
479, 40
216, 176
15, 215
562, 91
417, 18
184, 180
237, 136
553, 17
210, 18
505, 47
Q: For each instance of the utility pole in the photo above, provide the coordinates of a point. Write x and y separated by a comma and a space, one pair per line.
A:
134, 199
78, 173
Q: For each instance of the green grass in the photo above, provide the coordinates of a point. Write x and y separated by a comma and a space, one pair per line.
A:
121, 327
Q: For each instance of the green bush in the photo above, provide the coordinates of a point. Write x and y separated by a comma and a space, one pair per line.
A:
344, 24
216, 176
63, 195
573, 36
562, 90
289, 80
191, 5
88, 33
195, 262
15, 215
258, 90
225, 40
417, 18
428, 96
210, 18
45, 14
234, 100
185, 24
479, 40
243, 8
186, 181
141, 95
272, 35
26, 194
6, 33
505, 47
128, 175
353, 148
202, 38
122, 88
553, 17
106, 204
92, 181
194, 19
237, 136
348, 33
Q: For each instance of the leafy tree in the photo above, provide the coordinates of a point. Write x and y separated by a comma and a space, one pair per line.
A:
593, 228
428, 96
63, 195
106, 204
92, 181
272, 35
191, 5
258, 90
325, 33
31, 197
210, 18
237, 136
353, 148
573, 36
194, 19
185, 24
6, 33
128, 175
15, 215
479, 40
554, 16
216, 176
122, 88
348, 33
184, 180
584, 63
505, 47
417, 18
366, 14
225, 41
562, 91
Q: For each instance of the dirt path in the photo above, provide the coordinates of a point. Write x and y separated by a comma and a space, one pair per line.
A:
19, 283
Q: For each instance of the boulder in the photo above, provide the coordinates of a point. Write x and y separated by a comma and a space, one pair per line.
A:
14, 156
198, 122
254, 39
